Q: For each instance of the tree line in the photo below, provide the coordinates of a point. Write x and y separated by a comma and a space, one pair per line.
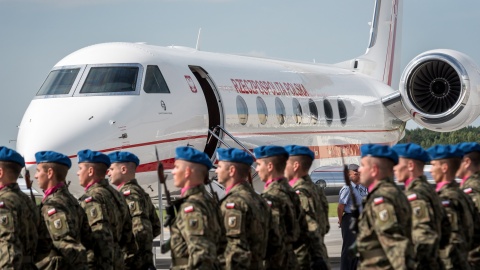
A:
427, 138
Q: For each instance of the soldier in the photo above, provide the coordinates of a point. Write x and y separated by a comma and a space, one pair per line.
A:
430, 225
460, 211
345, 215
65, 220
196, 231
18, 216
469, 171
146, 224
311, 255
284, 204
246, 215
105, 212
385, 225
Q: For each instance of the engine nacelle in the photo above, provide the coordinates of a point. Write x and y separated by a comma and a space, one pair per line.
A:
440, 90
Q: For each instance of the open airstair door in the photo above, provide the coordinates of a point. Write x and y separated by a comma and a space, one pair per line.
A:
214, 104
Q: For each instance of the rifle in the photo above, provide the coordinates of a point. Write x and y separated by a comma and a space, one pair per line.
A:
28, 182
354, 209
214, 193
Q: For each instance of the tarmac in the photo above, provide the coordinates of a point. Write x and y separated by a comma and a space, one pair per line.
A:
333, 241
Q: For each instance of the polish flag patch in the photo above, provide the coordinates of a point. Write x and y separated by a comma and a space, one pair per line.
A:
446, 203
2, 204
230, 205
126, 192
188, 209
269, 203
52, 211
89, 199
468, 190
412, 197
378, 200
297, 191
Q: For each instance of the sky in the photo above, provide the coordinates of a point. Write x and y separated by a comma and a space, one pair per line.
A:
36, 34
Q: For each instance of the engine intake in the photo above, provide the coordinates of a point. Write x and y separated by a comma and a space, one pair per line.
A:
440, 88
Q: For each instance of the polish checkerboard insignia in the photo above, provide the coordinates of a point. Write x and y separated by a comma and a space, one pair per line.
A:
126, 192
88, 199
188, 209
468, 190
51, 211
378, 200
412, 197
230, 205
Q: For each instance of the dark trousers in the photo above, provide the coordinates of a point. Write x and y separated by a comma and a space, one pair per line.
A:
346, 262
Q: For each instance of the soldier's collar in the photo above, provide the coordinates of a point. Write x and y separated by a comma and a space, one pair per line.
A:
188, 191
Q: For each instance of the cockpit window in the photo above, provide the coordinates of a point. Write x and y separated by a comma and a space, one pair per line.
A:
59, 82
110, 79
154, 81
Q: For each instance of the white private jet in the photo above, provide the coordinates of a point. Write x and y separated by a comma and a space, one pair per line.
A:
134, 96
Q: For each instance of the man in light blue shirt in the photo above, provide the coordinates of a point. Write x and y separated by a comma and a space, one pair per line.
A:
344, 212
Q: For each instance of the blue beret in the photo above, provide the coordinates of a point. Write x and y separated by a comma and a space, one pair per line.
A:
9, 155
411, 151
90, 156
234, 155
468, 147
298, 150
123, 157
444, 151
269, 151
52, 157
192, 155
380, 151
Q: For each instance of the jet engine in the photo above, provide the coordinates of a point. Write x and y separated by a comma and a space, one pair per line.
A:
440, 90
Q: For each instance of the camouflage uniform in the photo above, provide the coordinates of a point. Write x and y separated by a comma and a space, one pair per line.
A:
196, 232
106, 212
246, 217
325, 223
68, 228
286, 217
385, 226
18, 229
461, 215
472, 187
430, 224
145, 222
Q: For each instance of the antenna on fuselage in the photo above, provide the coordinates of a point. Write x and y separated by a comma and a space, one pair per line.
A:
197, 47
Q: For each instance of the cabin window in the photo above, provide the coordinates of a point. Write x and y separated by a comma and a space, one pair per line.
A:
242, 110
262, 111
297, 111
328, 111
59, 82
342, 110
313, 111
154, 81
110, 79
280, 110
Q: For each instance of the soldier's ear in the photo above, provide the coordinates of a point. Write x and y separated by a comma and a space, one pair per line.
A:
123, 169
231, 170
49, 173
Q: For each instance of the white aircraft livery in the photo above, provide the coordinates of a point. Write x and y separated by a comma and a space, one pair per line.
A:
135, 97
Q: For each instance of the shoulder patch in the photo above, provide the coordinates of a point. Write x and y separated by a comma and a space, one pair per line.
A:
378, 200
51, 211
230, 205
297, 191
88, 199
412, 197
126, 192
446, 203
2, 204
468, 190
188, 209
269, 203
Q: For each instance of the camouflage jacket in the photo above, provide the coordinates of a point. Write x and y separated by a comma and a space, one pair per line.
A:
246, 218
323, 212
461, 213
430, 224
472, 188
145, 222
196, 232
18, 229
311, 204
385, 226
69, 231
284, 204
